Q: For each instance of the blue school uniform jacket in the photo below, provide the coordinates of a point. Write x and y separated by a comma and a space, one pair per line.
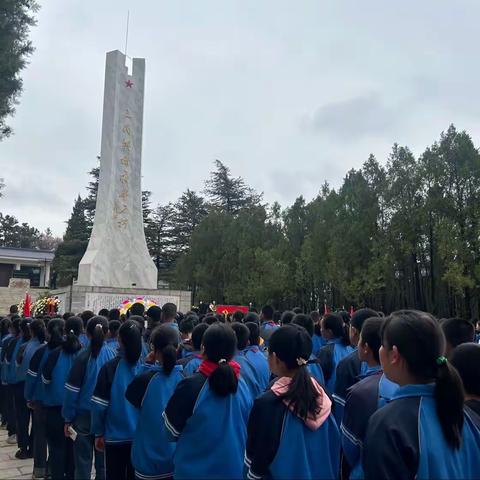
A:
266, 330
210, 430
405, 440
330, 356
11, 351
191, 363
152, 450
81, 382
84, 340
3, 366
315, 368
113, 417
363, 400
24, 355
281, 445
54, 376
256, 357
317, 343
112, 343
249, 374
33, 382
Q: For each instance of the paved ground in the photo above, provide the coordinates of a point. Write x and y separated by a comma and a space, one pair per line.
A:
10, 467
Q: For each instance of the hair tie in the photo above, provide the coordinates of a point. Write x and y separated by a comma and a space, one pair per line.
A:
441, 361
98, 325
72, 332
301, 362
222, 360
132, 325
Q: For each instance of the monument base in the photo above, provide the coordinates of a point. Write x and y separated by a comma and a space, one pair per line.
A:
78, 298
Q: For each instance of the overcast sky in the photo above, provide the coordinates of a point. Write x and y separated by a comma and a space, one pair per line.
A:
286, 93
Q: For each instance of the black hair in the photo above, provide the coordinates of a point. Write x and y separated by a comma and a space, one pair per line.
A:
55, 332
242, 333
140, 321
420, 341
136, 309
297, 310
252, 317
210, 319
220, 318
372, 336
292, 345
131, 339
113, 327
335, 323
186, 325
114, 314
458, 331
466, 359
13, 309
197, 335
345, 316
5, 325
219, 344
304, 321
277, 315
155, 313
97, 328
287, 317
67, 315
360, 316
238, 316
25, 328
267, 312
86, 316
169, 312
37, 329
254, 329
16, 325
73, 328
165, 341
103, 313
315, 316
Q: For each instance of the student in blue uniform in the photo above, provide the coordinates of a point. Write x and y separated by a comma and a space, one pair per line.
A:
54, 376
313, 366
338, 347
317, 340
152, 451
256, 356
186, 327
85, 316
34, 394
267, 326
113, 419
424, 432
35, 332
364, 398
112, 336
208, 412
350, 369
291, 432
78, 394
466, 359
5, 335
191, 362
457, 331
141, 325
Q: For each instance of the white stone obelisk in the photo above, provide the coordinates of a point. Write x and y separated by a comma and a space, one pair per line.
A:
117, 254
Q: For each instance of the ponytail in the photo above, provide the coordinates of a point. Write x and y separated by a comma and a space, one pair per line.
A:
73, 328
449, 400
37, 328
55, 331
223, 381
131, 338
97, 328
335, 323
165, 342
24, 328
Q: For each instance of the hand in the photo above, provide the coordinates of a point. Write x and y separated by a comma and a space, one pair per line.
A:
100, 444
65, 429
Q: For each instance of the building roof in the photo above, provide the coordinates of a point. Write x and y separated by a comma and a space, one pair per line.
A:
26, 254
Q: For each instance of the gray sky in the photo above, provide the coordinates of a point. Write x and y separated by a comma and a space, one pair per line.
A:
286, 93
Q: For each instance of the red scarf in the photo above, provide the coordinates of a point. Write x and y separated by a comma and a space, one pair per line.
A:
207, 367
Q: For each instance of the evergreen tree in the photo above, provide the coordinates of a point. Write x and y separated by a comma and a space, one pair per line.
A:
16, 18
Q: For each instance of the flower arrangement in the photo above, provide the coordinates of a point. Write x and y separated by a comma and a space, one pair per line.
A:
126, 304
45, 305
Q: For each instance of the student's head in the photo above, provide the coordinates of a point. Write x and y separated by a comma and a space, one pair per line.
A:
55, 330
186, 327
15, 326
304, 321
130, 341
267, 313
164, 340
238, 316
73, 328
210, 319
297, 310
5, 325
370, 341
356, 323
86, 316
333, 326
197, 335
154, 315
97, 329
67, 315
254, 329
169, 312
114, 314
103, 313
277, 315
140, 321
219, 345
243, 334
315, 316
345, 315
457, 331
37, 329
412, 352
252, 317
113, 327
13, 309
466, 359
287, 317
137, 309
289, 349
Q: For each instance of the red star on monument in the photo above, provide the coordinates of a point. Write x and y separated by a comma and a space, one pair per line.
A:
129, 84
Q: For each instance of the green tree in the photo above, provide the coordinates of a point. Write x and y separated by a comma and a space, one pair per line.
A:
16, 18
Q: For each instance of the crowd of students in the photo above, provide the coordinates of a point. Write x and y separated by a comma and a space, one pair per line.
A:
158, 395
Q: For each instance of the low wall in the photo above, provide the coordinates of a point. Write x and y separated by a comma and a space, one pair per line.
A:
13, 296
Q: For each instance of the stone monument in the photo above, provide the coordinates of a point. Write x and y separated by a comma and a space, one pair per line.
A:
117, 254
117, 265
